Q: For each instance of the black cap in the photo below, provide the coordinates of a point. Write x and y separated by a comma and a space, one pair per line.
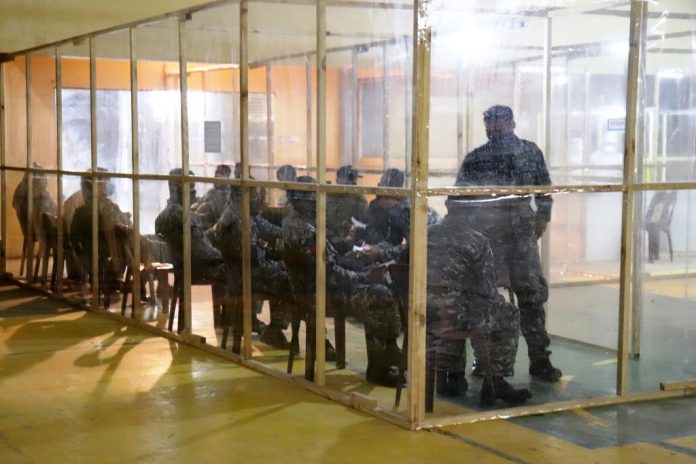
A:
348, 174
498, 113
286, 173
392, 178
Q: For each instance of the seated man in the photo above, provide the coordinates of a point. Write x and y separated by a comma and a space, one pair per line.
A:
269, 276
211, 205
206, 260
41, 203
358, 291
112, 262
463, 298
342, 208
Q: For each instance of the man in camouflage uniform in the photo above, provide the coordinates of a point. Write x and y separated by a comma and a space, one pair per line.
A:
341, 208
463, 302
111, 256
41, 203
206, 260
268, 275
356, 290
513, 227
210, 207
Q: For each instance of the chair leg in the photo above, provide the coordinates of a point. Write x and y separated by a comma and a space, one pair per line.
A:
127, 288
402, 370
311, 345
172, 307
294, 339
37, 263
429, 388
669, 244
237, 325
340, 334
23, 259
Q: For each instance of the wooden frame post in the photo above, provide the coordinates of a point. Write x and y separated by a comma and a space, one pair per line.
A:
320, 323
546, 137
30, 176
638, 229
422, 39
638, 8
135, 163
3, 177
270, 130
94, 164
59, 252
186, 178
308, 91
244, 154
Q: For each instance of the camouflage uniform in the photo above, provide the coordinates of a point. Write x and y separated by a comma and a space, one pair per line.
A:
388, 225
463, 300
353, 290
509, 225
340, 208
211, 205
42, 203
206, 260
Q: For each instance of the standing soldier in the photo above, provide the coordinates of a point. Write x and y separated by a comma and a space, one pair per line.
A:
513, 227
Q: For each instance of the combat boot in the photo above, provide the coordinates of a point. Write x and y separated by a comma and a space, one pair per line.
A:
380, 372
500, 389
542, 369
451, 383
257, 325
274, 336
329, 351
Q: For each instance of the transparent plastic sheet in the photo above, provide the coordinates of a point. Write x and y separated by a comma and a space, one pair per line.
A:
14, 73
481, 257
662, 328
157, 257
113, 102
282, 89
369, 85
211, 43
585, 108
666, 134
159, 96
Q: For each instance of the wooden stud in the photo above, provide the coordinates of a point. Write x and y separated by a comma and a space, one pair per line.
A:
186, 187
546, 137
3, 178
354, 114
59, 252
135, 163
638, 229
94, 163
418, 259
637, 15
244, 153
30, 175
320, 322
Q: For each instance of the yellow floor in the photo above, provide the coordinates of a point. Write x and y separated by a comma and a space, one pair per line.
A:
79, 387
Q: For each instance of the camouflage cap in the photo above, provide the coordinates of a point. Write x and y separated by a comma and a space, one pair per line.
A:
392, 178
347, 175
498, 113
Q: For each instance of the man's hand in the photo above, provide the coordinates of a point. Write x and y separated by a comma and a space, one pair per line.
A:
376, 274
540, 228
372, 252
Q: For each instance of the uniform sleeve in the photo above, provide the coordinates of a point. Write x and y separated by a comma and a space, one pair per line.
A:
541, 177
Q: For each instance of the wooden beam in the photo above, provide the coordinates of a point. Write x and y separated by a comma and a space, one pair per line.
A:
320, 261
637, 17
244, 154
418, 258
135, 163
185, 305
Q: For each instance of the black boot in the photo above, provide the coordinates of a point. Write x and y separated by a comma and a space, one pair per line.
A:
257, 325
329, 351
380, 372
500, 389
542, 369
451, 383
274, 336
